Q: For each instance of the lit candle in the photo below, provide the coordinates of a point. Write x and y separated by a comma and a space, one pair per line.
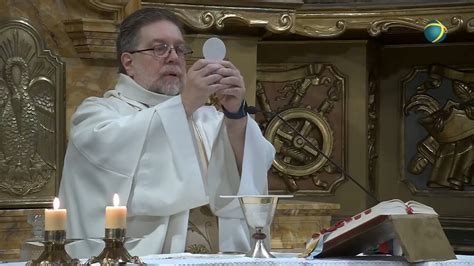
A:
55, 219
116, 216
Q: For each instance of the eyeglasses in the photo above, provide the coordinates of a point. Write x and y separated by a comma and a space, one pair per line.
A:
163, 50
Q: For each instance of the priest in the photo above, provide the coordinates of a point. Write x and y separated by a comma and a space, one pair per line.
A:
153, 141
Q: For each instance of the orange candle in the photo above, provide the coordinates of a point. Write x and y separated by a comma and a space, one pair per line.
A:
55, 219
116, 216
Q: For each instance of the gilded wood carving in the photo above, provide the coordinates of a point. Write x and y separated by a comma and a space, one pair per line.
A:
202, 18
321, 31
310, 98
372, 129
470, 25
31, 112
380, 26
118, 8
444, 155
95, 38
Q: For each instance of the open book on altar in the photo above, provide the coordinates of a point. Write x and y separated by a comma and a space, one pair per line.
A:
391, 207
414, 225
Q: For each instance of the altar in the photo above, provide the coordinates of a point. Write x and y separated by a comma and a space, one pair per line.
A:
287, 259
283, 259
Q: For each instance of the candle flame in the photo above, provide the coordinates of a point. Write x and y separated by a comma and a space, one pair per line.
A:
116, 200
56, 203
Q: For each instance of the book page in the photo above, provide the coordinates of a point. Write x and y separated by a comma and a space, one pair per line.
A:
418, 207
389, 207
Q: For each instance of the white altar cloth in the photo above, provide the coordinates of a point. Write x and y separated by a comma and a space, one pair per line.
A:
291, 259
283, 259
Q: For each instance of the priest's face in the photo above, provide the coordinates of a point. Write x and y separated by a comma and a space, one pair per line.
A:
162, 69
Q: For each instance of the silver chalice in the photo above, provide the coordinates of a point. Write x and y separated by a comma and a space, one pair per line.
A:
259, 211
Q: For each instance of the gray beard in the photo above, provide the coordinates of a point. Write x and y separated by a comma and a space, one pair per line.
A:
170, 88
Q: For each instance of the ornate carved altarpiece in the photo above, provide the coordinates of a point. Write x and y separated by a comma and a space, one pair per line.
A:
336, 102
297, 168
311, 98
31, 115
439, 152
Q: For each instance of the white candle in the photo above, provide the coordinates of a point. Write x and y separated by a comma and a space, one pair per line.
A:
55, 219
116, 216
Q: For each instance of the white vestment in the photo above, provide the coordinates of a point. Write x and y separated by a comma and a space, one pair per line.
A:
140, 145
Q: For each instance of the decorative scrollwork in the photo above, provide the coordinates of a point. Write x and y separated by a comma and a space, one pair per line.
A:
380, 26
207, 19
457, 23
199, 21
321, 31
276, 22
284, 22
470, 25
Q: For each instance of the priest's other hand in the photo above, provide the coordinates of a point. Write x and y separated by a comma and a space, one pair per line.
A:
230, 97
202, 80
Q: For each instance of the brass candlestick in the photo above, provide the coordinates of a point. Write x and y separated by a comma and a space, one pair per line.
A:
54, 252
114, 252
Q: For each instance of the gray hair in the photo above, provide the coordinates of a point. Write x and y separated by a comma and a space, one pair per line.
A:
127, 39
